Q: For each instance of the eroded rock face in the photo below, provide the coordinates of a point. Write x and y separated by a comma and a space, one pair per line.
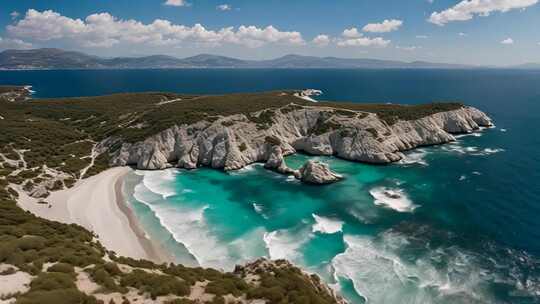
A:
233, 142
314, 172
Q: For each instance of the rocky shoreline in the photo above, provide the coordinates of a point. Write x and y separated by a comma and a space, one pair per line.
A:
236, 141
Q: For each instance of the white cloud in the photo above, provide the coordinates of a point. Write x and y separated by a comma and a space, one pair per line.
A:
352, 37
421, 37
224, 7
383, 27
14, 15
467, 9
408, 48
321, 40
176, 3
6, 43
104, 30
364, 41
351, 33
508, 41
462, 34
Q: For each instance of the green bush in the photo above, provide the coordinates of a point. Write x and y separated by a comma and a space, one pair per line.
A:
53, 280
155, 284
61, 267
31, 242
64, 296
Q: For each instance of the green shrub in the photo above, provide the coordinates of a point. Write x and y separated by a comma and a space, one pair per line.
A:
64, 296
155, 284
31, 242
61, 267
53, 280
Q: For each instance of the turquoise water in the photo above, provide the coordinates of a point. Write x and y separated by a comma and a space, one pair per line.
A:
401, 251
466, 232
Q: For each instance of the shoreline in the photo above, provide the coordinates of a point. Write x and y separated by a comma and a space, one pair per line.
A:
98, 204
154, 251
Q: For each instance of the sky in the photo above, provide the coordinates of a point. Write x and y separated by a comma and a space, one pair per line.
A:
481, 32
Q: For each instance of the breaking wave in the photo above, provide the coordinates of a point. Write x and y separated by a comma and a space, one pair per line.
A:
414, 157
326, 225
396, 268
395, 199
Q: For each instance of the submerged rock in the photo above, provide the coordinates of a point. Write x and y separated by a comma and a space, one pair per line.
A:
315, 172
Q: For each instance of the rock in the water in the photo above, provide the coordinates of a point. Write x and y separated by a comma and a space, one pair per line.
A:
314, 172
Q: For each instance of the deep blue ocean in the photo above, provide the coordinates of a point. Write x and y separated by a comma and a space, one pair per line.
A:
467, 229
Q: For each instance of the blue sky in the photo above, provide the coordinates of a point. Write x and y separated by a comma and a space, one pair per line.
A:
487, 32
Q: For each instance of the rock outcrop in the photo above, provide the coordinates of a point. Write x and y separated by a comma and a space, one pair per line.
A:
235, 141
252, 272
314, 172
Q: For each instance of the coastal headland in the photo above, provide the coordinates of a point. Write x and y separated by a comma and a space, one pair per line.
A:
63, 160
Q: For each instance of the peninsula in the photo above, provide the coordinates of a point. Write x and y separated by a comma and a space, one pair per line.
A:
63, 160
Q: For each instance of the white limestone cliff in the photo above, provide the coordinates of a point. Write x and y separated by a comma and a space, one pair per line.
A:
233, 142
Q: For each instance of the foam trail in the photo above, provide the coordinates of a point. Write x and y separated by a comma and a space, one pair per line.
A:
326, 225
260, 210
395, 199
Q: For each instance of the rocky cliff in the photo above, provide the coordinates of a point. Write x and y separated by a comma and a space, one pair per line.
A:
235, 141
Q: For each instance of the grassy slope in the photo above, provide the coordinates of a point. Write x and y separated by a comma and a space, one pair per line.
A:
61, 132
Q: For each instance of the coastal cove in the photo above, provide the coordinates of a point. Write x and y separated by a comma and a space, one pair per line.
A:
450, 223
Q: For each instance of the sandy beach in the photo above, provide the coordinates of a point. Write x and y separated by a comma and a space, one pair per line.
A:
97, 203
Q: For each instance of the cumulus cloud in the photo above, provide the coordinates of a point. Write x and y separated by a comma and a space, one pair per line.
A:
176, 3
462, 34
105, 30
351, 33
224, 7
6, 43
352, 37
14, 15
508, 41
467, 9
321, 40
383, 27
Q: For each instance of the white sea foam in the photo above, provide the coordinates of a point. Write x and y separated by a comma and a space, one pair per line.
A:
187, 226
284, 244
395, 199
380, 276
463, 177
471, 150
503, 130
473, 134
414, 157
160, 182
259, 209
326, 225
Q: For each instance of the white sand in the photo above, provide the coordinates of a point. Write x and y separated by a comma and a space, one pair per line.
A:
13, 283
96, 203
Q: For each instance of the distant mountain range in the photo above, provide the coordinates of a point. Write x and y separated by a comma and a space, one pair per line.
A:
60, 59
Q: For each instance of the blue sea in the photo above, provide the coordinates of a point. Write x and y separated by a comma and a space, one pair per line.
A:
465, 230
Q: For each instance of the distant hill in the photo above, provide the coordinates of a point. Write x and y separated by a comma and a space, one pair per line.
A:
528, 66
61, 59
